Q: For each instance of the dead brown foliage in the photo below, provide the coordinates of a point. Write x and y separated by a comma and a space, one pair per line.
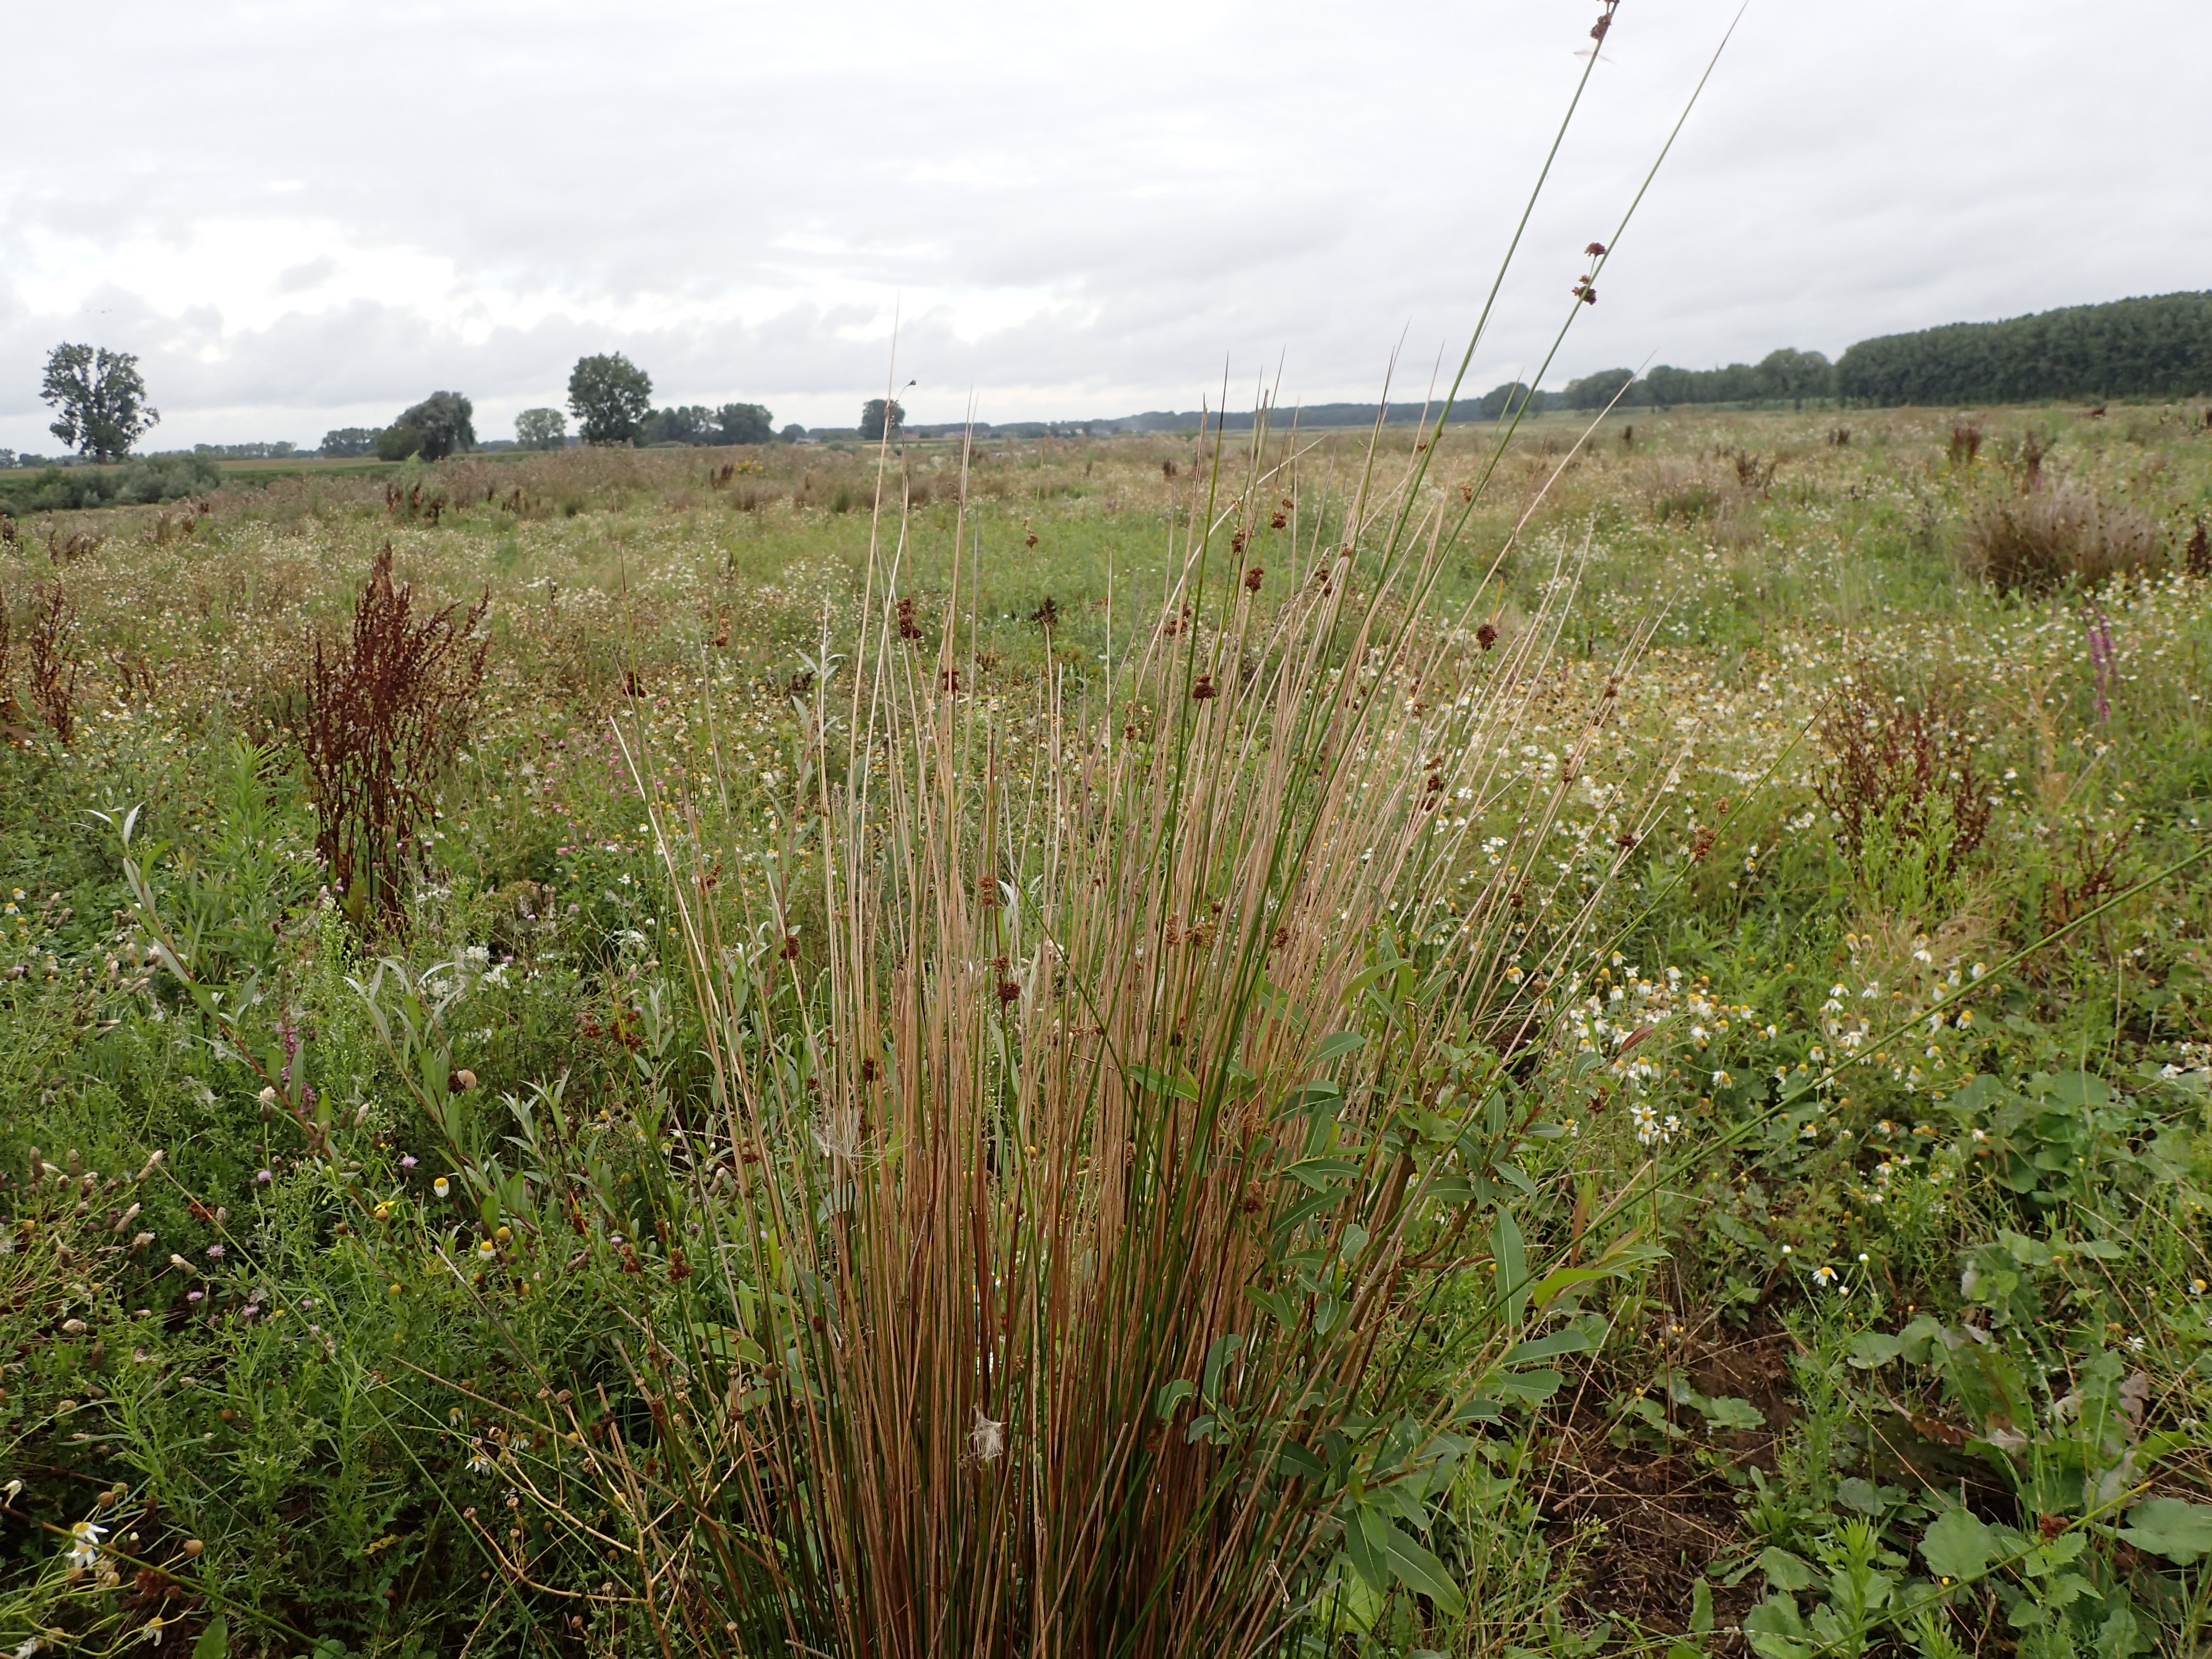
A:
378, 716
1755, 472
53, 669
2048, 538
1901, 761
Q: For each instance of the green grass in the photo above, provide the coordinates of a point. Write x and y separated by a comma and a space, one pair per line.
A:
1905, 1269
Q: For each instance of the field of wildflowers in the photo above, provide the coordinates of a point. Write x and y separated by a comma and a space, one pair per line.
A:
1746, 1040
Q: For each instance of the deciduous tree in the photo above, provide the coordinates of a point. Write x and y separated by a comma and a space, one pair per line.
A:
541, 428
610, 396
102, 400
876, 414
744, 424
445, 421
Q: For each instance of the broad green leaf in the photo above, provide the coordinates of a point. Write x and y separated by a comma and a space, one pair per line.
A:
1170, 1396
1726, 1412
215, 1640
1654, 1415
1528, 1385
2103, 1249
1311, 1098
1339, 1043
1775, 1630
1549, 1288
2048, 1558
1278, 1304
1409, 1561
1958, 1545
717, 1341
1869, 1350
1573, 1339
1784, 1571
1304, 1210
1317, 1172
1162, 1082
2180, 1531
1512, 1269
1701, 1608
1216, 1360
1365, 1552
1861, 1495
1922, 1338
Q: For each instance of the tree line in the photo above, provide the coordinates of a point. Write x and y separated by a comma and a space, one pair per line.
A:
2158, 347
2155, 347
609, 397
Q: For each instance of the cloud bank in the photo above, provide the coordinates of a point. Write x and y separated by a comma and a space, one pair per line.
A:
310, 216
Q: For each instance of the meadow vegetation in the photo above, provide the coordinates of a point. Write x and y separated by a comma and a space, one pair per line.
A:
1565, 1043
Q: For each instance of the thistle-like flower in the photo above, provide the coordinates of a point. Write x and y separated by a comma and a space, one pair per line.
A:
987, 1441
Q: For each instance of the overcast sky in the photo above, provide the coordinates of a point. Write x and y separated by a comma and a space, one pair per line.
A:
309, 215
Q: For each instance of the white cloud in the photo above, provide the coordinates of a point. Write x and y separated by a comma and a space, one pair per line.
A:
312, 216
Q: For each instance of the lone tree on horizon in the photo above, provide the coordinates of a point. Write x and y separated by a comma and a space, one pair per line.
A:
102, 400
610, 396
541, 428
442, 424
876, 414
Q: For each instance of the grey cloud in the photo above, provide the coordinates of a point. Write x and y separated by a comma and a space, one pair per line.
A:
311, 275
1191, 185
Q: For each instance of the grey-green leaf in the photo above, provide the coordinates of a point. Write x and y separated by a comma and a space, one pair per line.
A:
1959, 1545
2180, 1531
1784, 1570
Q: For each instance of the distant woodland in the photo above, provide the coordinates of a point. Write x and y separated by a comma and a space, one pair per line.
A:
2160, 347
